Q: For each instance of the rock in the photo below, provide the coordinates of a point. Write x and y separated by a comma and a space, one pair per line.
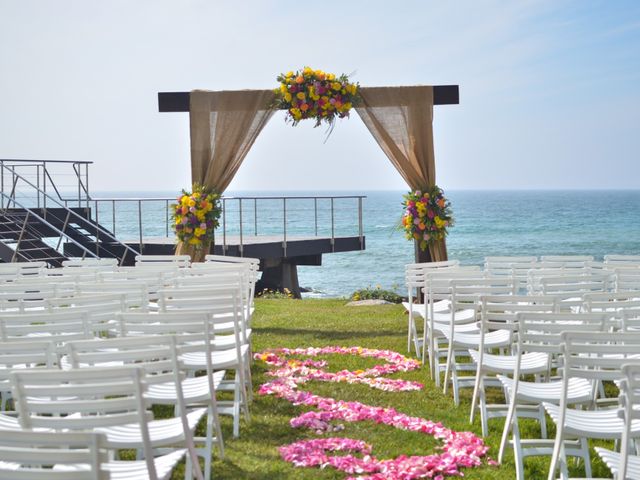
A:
367, 303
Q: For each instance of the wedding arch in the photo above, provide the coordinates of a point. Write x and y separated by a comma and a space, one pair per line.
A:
225, 124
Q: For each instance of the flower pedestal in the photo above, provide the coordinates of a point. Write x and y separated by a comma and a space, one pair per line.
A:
196, 254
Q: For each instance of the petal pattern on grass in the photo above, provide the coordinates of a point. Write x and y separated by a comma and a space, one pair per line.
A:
460, 449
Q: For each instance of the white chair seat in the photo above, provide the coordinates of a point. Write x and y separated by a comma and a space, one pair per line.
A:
7, 422
161, 432
220, 358
612, 460
579, 390
135, 470
194, 389
441, 328
466, 315
600, 424
495, 339
534, 362
419, 308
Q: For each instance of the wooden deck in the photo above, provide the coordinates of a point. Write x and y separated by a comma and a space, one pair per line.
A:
264, 246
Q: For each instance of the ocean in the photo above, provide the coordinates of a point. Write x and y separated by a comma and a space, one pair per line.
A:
487, 223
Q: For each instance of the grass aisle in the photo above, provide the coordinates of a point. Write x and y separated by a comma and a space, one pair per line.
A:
291, 323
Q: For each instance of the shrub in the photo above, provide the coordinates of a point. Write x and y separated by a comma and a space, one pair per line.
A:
376, 293
267, 293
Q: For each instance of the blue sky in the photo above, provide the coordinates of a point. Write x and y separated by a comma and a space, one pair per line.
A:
550, 90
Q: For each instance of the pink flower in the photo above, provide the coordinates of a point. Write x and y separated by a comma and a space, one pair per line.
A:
460, 449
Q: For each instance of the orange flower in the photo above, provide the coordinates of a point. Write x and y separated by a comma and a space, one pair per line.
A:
299, 79
304, 107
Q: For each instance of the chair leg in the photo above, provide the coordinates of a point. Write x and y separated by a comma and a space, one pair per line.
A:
484, 414
455, 386
447, 371
518, 453
476, 392
586, 457
509, 424
557, 452
542, 420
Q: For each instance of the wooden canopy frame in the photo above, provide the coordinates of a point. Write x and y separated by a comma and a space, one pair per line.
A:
181, 102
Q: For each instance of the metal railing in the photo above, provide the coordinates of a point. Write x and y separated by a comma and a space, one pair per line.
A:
61, 234
246, 210
41, 173
39, 176
100, 232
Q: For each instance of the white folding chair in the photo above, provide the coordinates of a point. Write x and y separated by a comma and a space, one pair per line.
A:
540, 333
147, 352
414, 280
625, 465
465, 295
105, 400
22, 355
437, 313
622, 260
595, 357
224, 308
182, 261
498, 319
29, 455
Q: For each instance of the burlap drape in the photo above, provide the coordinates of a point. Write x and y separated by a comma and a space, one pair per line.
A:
401, 121
224, 126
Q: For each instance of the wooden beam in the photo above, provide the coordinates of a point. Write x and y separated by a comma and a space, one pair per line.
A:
179, 101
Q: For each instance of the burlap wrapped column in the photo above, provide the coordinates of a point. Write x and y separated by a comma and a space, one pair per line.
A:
224, 125
401, 121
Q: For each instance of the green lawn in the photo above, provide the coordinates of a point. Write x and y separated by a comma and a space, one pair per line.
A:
295, 323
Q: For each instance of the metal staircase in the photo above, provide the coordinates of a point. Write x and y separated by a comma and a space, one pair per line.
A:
50, 231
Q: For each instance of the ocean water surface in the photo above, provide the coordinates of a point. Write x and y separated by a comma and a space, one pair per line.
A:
488, 223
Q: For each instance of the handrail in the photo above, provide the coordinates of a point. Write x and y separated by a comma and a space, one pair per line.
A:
285, 231
49, 225
83, 162
99, 229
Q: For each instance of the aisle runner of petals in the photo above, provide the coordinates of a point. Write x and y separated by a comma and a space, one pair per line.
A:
460, 449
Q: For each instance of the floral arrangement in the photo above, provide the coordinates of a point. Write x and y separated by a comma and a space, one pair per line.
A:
427, 216
460, 449
315, 94
196, 215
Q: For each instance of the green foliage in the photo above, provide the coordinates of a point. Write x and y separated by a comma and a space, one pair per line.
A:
376, 293
268, 293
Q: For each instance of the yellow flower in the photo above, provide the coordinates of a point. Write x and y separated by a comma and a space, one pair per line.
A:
283, 88
301, 95
184, 200
194, 241
307, 71
178, 220
287, 97
336, 86
439, 222
191, 202
347, 106
289, 74
330, 76
196, 195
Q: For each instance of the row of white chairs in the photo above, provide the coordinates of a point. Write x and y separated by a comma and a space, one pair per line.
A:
470, 313
201, 321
